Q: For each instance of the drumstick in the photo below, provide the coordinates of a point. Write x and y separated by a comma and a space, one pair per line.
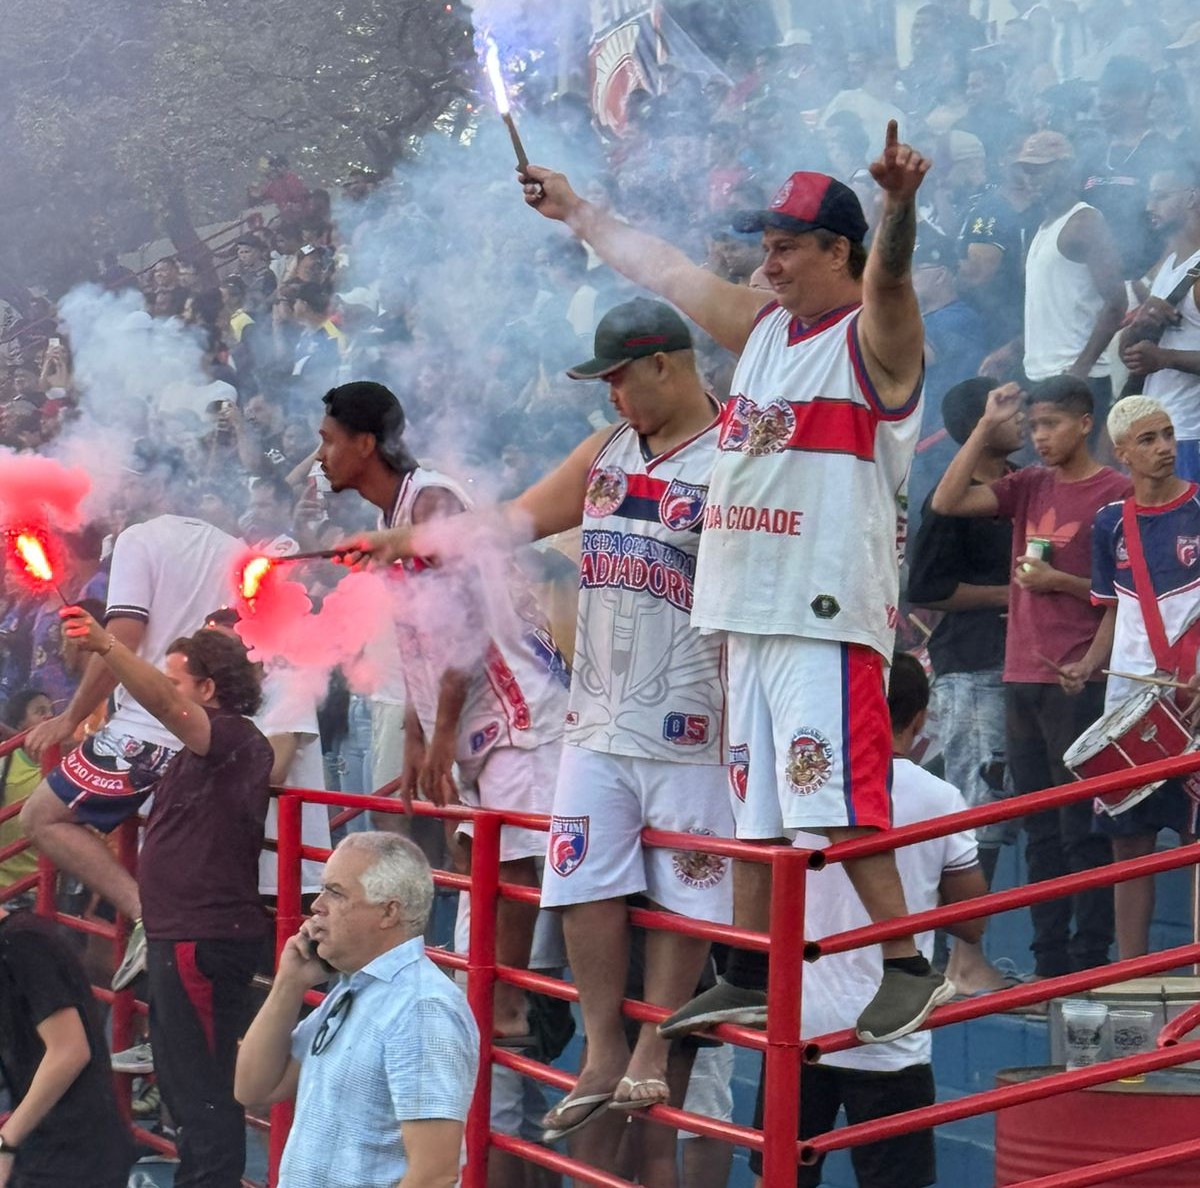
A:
1058, 668
920, 627
1162, 682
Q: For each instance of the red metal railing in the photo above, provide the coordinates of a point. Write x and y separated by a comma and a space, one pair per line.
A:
784, 1050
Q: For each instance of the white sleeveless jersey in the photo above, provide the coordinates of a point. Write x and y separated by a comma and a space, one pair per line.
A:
1178, 391
806, 509
646, 683
482, 620
1061, 305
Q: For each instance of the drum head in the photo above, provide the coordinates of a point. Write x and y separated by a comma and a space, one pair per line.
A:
1099, 734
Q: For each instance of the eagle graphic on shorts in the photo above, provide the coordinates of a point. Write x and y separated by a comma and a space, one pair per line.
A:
605, 492
568, 844
696, 869
809, 762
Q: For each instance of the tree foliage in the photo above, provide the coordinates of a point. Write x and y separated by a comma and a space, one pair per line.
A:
122, 119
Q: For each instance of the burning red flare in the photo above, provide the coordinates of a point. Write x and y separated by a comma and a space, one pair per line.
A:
254, 574
33, 556
30, 551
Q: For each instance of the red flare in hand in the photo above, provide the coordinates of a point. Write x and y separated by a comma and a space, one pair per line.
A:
253, 575
29, 549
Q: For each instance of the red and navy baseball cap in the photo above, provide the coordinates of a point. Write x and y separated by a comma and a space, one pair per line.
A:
806, 202
633, 330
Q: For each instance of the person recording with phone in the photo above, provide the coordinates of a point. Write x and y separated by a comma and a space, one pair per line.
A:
383, 1071
198, 880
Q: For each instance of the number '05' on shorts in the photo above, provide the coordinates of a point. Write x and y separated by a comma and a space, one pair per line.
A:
810, 740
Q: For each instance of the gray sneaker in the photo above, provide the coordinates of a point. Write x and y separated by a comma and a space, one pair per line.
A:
134, 961
901, 1004
722, 1003
138, 1059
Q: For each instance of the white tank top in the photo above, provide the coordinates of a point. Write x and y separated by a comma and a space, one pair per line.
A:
486, 623
645, 683
1061, 305
1177, 391
806, 508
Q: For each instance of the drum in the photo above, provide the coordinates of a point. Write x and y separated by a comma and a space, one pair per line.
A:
1146, 727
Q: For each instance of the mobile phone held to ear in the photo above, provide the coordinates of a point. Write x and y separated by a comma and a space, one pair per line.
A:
310, 950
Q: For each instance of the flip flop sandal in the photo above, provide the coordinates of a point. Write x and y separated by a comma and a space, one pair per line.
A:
552, 1134
629, 1104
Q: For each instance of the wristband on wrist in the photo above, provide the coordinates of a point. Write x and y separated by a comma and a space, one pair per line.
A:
6, 1148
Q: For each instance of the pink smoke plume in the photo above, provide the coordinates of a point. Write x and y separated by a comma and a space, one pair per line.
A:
40, 491
278, 623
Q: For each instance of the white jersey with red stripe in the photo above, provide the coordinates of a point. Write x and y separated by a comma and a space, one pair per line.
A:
457, 617
646, 683
806, 509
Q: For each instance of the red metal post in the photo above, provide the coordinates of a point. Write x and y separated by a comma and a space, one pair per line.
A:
287, 921
481, 983
123, 1005
485, 891
781, 1078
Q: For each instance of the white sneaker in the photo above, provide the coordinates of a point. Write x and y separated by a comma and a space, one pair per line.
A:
134, 961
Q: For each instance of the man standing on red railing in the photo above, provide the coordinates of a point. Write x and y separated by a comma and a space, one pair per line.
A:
797, 567
647, 702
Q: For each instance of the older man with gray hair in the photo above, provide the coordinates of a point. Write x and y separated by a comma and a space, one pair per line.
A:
384, 1103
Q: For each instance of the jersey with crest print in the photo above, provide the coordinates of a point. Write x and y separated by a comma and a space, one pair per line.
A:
806, 514
645, 683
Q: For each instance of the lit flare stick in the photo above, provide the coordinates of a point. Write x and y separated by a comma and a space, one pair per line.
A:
496, 77
30, 550
255, 571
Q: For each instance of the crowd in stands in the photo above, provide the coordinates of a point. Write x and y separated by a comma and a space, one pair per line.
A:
1065, 169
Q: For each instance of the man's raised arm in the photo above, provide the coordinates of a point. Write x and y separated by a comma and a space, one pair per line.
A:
724, 310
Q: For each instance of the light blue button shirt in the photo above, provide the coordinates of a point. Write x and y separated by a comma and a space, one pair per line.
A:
406, 1050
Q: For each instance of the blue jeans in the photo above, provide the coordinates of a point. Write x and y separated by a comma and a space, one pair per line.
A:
348, 764
968, 711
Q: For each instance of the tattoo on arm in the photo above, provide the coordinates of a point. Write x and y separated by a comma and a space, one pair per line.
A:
895, 239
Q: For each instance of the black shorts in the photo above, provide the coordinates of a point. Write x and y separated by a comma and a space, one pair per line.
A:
1167, 807
903, 1162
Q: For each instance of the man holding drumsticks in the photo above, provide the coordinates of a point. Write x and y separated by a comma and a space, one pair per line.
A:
1155, 532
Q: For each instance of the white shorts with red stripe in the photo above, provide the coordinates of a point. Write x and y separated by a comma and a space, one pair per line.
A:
810, 740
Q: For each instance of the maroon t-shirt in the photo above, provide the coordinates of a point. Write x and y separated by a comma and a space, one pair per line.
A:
1059, 626
198, 869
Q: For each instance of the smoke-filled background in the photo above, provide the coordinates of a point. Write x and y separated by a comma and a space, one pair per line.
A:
210, 217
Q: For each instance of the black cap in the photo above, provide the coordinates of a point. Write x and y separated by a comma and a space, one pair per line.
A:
633, 330
806, 202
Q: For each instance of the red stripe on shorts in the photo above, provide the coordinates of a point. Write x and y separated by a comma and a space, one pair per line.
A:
866, 738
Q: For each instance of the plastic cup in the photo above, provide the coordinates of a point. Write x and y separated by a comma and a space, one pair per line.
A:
1083, 1029
1132, 1032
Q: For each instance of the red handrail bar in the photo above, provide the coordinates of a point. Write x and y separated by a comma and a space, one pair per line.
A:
1009, 808
1178, 1027
1026, 995
1003, 901
1000, 1098
1118, 1169
728, 1131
